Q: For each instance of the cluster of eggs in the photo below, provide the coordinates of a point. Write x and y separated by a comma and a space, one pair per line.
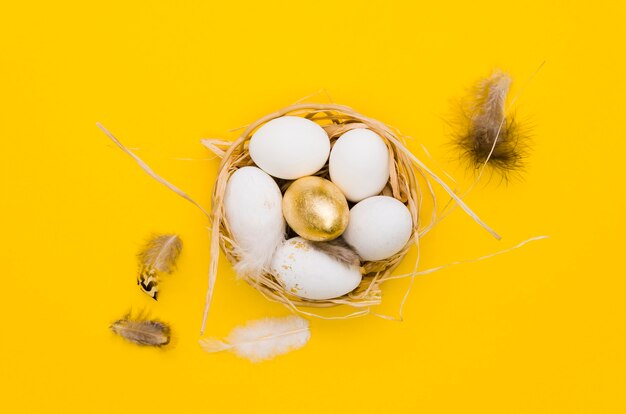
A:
318, 210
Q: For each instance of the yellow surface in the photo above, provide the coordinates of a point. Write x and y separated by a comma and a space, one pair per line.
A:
539, 330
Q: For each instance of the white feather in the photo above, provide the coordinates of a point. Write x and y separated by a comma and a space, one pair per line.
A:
263, 339
253, 208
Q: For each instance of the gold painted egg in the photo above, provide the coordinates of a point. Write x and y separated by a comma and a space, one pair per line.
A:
316, 209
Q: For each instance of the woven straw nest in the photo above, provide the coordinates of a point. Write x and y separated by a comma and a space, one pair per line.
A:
408, 176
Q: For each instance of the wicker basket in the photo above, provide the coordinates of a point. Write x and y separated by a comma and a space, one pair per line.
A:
408, 176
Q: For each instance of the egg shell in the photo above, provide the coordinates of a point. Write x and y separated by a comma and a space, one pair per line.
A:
312, 274
315, 209
253, 209
290, 147
359, 164
379, 227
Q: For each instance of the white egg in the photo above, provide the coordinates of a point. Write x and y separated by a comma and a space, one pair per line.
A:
290, 147
253, 209
359, 164
379, 227
312, 274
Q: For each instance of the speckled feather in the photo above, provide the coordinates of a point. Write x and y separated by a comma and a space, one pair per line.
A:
157, 256
160, 253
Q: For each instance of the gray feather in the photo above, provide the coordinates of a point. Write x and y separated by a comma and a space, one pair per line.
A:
142, 331
340, 250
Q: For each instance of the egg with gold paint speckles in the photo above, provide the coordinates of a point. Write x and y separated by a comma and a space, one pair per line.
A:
309, 273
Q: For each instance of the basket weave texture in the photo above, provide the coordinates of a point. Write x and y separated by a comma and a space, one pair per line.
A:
336, 120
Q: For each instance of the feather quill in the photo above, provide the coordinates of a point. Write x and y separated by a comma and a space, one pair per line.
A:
486, 134
263, 339
157, 257
142, 331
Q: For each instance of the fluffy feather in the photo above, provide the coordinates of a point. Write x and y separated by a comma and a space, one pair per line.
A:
252, 207
263, 339
486, 134
161, 252
141, 331
158, 256
340, 250
256, 257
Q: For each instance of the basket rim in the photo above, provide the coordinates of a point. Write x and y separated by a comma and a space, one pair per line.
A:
404, 187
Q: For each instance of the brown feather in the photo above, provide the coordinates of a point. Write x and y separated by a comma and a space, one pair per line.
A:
157, 256
160, 252
340, 250
486, 134
142, 331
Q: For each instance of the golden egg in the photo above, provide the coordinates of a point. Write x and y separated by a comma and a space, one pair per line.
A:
316, 209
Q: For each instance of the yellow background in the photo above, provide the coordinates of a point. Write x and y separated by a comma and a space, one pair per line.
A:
539, 330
